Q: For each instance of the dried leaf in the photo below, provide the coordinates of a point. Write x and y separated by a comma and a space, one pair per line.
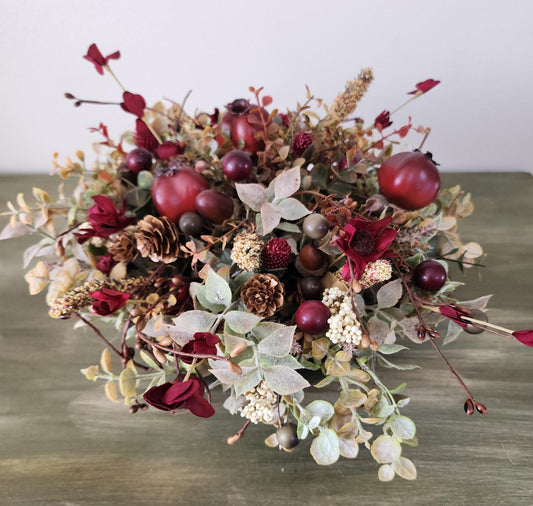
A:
320, 348
292, 209
105, 361
253, 195
404, 468
270, 217
111, 391
284, 380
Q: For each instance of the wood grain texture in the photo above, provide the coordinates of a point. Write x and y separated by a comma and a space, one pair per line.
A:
62, 443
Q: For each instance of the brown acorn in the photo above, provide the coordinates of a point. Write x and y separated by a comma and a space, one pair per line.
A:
311, 261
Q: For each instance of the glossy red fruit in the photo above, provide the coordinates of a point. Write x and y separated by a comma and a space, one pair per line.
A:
429, 275
241, 123
409, 180
237, 165
175, 192
214, 206
312, 317
139, 159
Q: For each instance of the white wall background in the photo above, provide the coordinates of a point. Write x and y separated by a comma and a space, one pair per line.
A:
482, 50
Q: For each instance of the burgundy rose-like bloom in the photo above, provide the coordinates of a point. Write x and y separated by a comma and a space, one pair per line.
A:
363, 242
180, 395
301, 141
106, 263
285, 121
107, 301
424, 86
105, 219
143, 138
203, 343
134, 104
383, 120
98, 60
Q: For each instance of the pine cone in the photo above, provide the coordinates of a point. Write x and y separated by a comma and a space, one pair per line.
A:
262, 294
123, 248
157, 239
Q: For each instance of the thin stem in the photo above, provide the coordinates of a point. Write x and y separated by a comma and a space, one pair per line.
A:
108, 68
452, 370
98, 333
354, 307
191, 369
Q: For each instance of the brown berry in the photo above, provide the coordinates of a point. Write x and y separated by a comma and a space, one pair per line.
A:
312, 258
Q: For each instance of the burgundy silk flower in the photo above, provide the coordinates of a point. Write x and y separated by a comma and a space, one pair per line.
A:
134, 104
203, 343
106, 263
424, 86
105, 219
107, 301
97, 59
180, 395
363, 242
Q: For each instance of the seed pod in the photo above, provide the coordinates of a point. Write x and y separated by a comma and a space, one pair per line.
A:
469, 407
238, 349
233, 439
134, 408
235, 368
365, 342
433, 334
374, 345
481, 408
421, 333
166, 341
159, 355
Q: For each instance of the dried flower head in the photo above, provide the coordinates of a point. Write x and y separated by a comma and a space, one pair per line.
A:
376, 272
347, 100
344, 327
246, 251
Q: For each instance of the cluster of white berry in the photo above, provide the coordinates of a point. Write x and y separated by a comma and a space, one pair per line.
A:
343, 324
261, 403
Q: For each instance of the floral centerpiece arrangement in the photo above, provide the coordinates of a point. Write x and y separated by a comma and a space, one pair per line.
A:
264, 253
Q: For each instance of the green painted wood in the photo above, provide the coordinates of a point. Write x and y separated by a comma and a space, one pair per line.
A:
62, 443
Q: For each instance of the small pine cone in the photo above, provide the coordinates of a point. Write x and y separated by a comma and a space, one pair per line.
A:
262, 294
157, 239
276, 254
123, 248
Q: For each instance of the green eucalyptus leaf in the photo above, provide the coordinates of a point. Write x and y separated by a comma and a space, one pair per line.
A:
390, 349
217, 290
321, 409
401, 367
389, 295
284, 380
292, 209
278, 344
287, 361
241, 322
325, 448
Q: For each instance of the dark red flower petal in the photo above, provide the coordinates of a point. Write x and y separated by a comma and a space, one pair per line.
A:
424, 86
134, 104
203, 343
524, 336
199, 406
97, 59
106, 263
180, 391
143, 138
383, 120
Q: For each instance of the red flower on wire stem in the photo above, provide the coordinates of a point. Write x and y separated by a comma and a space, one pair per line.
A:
107, 301
97, 59
524, 336
133, 103
203, 343
180, 395
424, 86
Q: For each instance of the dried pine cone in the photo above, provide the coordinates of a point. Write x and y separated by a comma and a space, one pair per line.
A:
262, 294
123, 248
157, 239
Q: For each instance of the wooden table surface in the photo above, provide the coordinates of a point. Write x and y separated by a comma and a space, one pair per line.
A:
63, 443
